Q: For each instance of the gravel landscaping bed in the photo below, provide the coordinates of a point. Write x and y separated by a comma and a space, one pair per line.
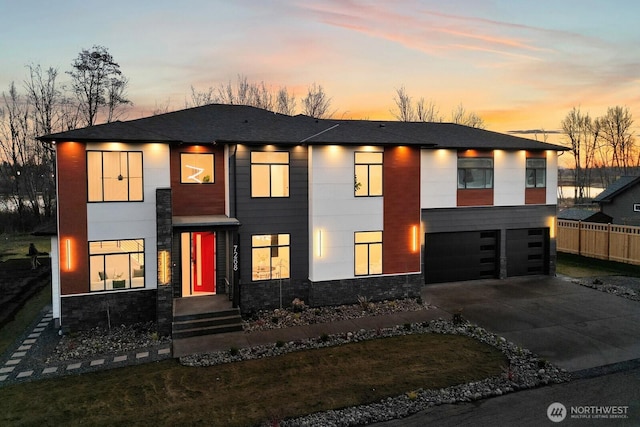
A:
622, 286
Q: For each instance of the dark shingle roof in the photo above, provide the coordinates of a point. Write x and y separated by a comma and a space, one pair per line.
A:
244, 124
620, 186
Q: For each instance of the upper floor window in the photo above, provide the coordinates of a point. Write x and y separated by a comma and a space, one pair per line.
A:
196, 168
116, 264
475, 172
536, 173
269, 174
368, 253
368, 174
114, 176
270, 256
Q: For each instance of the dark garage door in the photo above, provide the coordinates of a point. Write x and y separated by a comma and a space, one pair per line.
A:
470, 255
527, 251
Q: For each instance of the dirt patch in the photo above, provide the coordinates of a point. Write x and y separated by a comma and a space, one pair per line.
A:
18, 283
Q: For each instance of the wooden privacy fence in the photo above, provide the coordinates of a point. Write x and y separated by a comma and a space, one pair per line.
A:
604, 241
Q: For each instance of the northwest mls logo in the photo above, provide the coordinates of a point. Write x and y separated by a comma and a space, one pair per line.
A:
556, 412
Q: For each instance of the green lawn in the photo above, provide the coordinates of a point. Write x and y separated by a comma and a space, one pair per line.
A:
579, 266
248, 393
17, 245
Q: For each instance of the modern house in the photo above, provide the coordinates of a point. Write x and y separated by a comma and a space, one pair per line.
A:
261, 208
620, 202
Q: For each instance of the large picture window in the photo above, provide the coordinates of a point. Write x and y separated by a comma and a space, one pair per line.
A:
270, 256
368, 253
536, 173
269, 174
368, 174
116, 264
475, 172
114, 176
196, 168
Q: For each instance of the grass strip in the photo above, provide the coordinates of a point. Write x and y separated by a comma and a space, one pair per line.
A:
579, 266
248, 393
12, 330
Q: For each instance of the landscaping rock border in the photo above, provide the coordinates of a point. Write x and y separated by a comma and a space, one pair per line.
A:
525, 371
621, 286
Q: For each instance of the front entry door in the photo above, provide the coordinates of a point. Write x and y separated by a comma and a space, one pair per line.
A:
198, 263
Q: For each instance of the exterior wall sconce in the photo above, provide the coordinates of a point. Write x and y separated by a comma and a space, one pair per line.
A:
67, 247
164, 267
319, 244
414, 238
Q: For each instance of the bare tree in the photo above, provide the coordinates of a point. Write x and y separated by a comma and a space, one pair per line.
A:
404, 107
200, 98
15, 135
97, 82
427, 112
285, 102
582, 133
615, 130
460, 116
316, 104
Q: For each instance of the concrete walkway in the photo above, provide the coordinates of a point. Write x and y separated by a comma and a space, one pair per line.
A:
572, 326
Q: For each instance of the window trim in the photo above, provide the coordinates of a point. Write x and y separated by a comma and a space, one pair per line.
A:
368, 245
128, 280
270, 176
368, 165
102, 177
213, 169
484, 169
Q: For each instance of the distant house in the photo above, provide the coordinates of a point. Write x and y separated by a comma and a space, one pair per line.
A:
255, 208
621, 201
585, 215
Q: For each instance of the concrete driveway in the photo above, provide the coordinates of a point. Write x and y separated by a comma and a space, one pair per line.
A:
572, 326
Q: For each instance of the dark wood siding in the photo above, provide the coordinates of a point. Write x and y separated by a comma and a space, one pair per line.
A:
72, 218
196, 199
401, 209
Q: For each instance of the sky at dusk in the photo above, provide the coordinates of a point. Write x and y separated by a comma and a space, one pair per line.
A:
519, 64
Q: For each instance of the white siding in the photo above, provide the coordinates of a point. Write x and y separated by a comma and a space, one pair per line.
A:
509, 174
335, 213
133, 220
438, 178
55, 277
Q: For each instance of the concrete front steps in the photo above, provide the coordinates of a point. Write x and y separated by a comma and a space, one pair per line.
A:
210, 323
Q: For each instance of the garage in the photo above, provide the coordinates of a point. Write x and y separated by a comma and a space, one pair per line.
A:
457, 256
527, 251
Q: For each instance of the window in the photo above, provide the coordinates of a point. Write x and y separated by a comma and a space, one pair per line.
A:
270, 256
196, 168
114, 176
368, 174
475, 172
116, 264
636, 207
269, 174
368, 253
536, 173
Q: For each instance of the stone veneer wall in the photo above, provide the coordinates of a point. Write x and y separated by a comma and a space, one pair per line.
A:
347, 291
164, 302
88, 311
266, 295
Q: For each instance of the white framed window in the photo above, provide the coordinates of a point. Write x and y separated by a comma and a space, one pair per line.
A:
270, 256
368, 253
636, 207
269, 174
368, 174
114, 176
197, 168
116, 264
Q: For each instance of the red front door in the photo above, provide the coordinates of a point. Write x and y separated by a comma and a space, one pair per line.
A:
199, 252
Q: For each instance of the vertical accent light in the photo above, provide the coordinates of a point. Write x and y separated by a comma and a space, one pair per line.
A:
414, 238
163, 267
319, 243
68, 253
